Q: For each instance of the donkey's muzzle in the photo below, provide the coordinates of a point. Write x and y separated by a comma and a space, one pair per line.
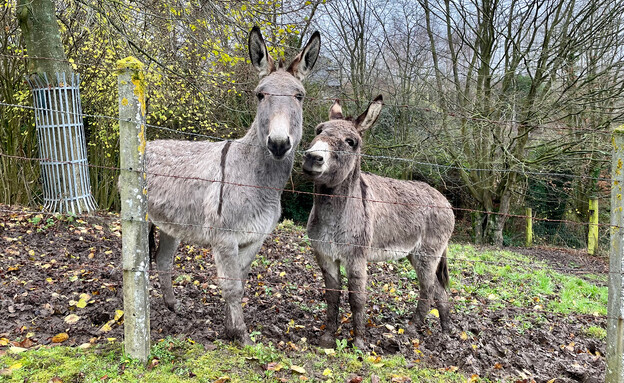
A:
278, 148
311, 164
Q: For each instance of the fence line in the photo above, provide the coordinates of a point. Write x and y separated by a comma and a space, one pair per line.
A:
306, 238
369, 156
326, 99
508, 215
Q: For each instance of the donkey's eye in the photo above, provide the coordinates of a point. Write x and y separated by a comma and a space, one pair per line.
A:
351, 142
260, 96
299, 97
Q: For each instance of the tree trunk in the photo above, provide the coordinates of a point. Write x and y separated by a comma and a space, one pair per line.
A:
42, 37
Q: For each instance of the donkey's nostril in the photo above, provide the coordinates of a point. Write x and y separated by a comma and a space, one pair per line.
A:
278, 148
314, 157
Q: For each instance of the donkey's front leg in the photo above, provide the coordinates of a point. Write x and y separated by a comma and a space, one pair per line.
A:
357, 276
333, 285
232, 283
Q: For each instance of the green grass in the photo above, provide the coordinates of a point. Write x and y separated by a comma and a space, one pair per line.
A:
181, 361
504, 278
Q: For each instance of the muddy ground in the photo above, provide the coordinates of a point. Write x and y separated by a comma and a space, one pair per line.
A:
47, 263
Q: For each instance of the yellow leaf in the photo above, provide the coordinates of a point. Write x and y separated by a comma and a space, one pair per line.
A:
463, 336
84, 296
118, 315
4, 341
16, 366
81, 304
60, 338
107, 326
401, 331
298, 369
283, 273
327, 372
329, 351
435, 313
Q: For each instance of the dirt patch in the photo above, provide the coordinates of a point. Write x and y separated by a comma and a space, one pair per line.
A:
47, 263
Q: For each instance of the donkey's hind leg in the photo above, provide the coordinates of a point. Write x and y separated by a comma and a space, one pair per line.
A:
167, 247
423, 263
432, 288
333, 285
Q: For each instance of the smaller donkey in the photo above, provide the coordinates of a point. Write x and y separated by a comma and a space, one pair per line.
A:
359, 217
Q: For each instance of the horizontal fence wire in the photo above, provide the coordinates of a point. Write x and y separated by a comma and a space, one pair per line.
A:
362, 155
397, 105
408, 204
306, 238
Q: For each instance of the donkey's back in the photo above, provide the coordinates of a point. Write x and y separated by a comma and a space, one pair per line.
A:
404, 217
183, 197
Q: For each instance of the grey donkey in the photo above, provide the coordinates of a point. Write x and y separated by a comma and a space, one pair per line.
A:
234, 213
359, 217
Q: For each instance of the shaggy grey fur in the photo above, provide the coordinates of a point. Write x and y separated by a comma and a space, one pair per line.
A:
349, 225
228, 216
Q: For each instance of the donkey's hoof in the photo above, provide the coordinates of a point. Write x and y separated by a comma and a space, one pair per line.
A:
360, 344
245, 340
328, 340
174, 306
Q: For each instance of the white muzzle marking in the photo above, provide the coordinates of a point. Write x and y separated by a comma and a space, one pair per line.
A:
279, 127
320, 148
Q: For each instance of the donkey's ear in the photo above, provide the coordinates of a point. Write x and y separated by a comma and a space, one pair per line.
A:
335, 112
368, 118
260, 58
304, 62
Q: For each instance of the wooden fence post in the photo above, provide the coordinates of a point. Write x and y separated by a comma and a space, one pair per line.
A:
615, 306
529, 226
133, 192
592, 236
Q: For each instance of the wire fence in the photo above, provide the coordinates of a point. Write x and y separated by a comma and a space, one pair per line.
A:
362, 155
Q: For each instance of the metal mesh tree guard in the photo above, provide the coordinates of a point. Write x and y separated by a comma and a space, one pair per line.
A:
62, 144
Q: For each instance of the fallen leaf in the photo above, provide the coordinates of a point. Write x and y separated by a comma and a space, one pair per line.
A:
72, 318
274, 366
15, 366
17, 350
26, 343
4, 341
81, 304
222, 379
327, 372
329, 351
463, 336
298, 369
435, 313
118, 315
400, 379
60, 338
357, 379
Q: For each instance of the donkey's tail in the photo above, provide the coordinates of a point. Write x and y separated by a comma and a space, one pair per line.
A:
442, 271
152, 241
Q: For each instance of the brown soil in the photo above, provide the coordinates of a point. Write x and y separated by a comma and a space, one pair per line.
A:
46, 265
